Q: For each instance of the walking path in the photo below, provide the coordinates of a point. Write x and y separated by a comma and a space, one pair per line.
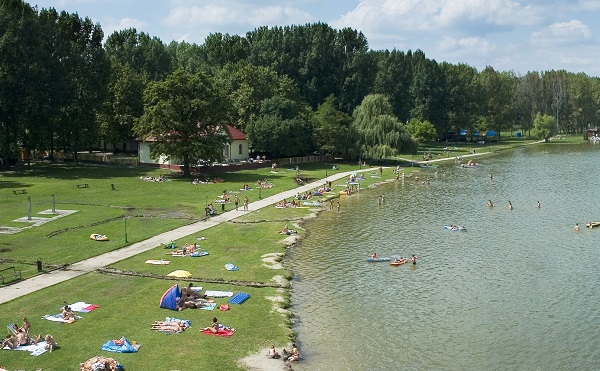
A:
27, 286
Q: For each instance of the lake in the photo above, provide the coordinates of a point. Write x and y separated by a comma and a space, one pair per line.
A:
517, 291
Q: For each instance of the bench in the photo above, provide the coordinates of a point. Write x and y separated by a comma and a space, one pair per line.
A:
19, 191
84, 185
9, 273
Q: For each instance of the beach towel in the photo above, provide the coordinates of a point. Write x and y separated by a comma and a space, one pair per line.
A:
196, 254
218, 294
58, 318
83, 307
221, 332
158, 262
187, 323
208, 306
121, 345
231, 267
34, 349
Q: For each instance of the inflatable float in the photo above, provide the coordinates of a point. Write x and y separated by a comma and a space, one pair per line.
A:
455, 228
98, 237
592, 224
398, 262
376, 260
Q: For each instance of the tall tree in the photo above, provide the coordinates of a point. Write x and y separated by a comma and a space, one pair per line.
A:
331, 128
184, 115
380, 134
283, 128
21, 69
248, 86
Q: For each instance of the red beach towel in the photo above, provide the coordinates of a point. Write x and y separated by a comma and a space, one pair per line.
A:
221, 332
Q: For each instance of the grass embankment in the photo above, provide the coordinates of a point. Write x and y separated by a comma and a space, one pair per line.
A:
129, 304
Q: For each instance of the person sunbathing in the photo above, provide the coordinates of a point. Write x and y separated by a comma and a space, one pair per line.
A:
176, 326
50, 343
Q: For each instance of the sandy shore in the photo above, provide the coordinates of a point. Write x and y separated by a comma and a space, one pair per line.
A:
260, 362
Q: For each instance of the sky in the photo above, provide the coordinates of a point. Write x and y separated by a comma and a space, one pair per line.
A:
508, 35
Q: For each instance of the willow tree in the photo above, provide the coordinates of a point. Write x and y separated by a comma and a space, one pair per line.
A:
380, 134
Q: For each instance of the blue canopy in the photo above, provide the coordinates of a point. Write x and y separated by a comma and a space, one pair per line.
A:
490, 133
170, 297
463, 132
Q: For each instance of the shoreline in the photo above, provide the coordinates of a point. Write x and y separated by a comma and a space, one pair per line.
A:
259, 361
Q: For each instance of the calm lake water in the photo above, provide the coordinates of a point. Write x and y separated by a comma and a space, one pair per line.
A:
519, 290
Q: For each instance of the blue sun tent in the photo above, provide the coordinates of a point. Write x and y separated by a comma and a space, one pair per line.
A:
120, 346
170, 297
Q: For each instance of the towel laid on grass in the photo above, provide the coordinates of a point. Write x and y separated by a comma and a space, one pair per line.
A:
221, 332
34, 349
83, 307
208, 306
158, 262
218, 294
59, 318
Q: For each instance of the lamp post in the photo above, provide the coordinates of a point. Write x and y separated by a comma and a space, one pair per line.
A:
53, 205
259, 195
28, 207
126, 231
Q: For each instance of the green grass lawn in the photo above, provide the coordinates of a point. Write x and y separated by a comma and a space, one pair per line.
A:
129, 304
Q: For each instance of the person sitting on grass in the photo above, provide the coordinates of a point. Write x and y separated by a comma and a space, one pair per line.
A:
67, 313
214, 327
23, 338
50, 344
10, 341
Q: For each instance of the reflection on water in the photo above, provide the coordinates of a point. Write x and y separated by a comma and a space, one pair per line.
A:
517, 291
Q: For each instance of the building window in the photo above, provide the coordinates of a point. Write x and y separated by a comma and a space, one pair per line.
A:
240, 150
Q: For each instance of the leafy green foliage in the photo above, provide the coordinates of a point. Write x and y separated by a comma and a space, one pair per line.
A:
380, 133
184, 116
423, 131
544, 126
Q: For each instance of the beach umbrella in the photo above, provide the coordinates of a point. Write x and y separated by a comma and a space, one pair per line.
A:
180, 274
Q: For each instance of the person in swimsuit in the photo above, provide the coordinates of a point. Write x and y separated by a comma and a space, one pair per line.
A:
413, 259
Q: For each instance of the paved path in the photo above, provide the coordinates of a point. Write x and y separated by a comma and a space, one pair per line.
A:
24, 287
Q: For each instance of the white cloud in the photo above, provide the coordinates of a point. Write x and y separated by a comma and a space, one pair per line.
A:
569, 33
228, 13
588, 5
436, 15
111, 25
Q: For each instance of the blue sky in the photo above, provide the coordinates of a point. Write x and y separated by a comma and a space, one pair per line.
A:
509, 35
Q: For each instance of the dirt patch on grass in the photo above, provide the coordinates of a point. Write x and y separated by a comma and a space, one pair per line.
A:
272, 260
260, 362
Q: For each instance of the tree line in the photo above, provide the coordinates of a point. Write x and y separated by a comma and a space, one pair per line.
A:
293, 90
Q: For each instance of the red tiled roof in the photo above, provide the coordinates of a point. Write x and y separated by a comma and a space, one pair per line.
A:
235, 134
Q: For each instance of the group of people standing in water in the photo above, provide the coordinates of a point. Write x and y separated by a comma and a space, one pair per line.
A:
491, 203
